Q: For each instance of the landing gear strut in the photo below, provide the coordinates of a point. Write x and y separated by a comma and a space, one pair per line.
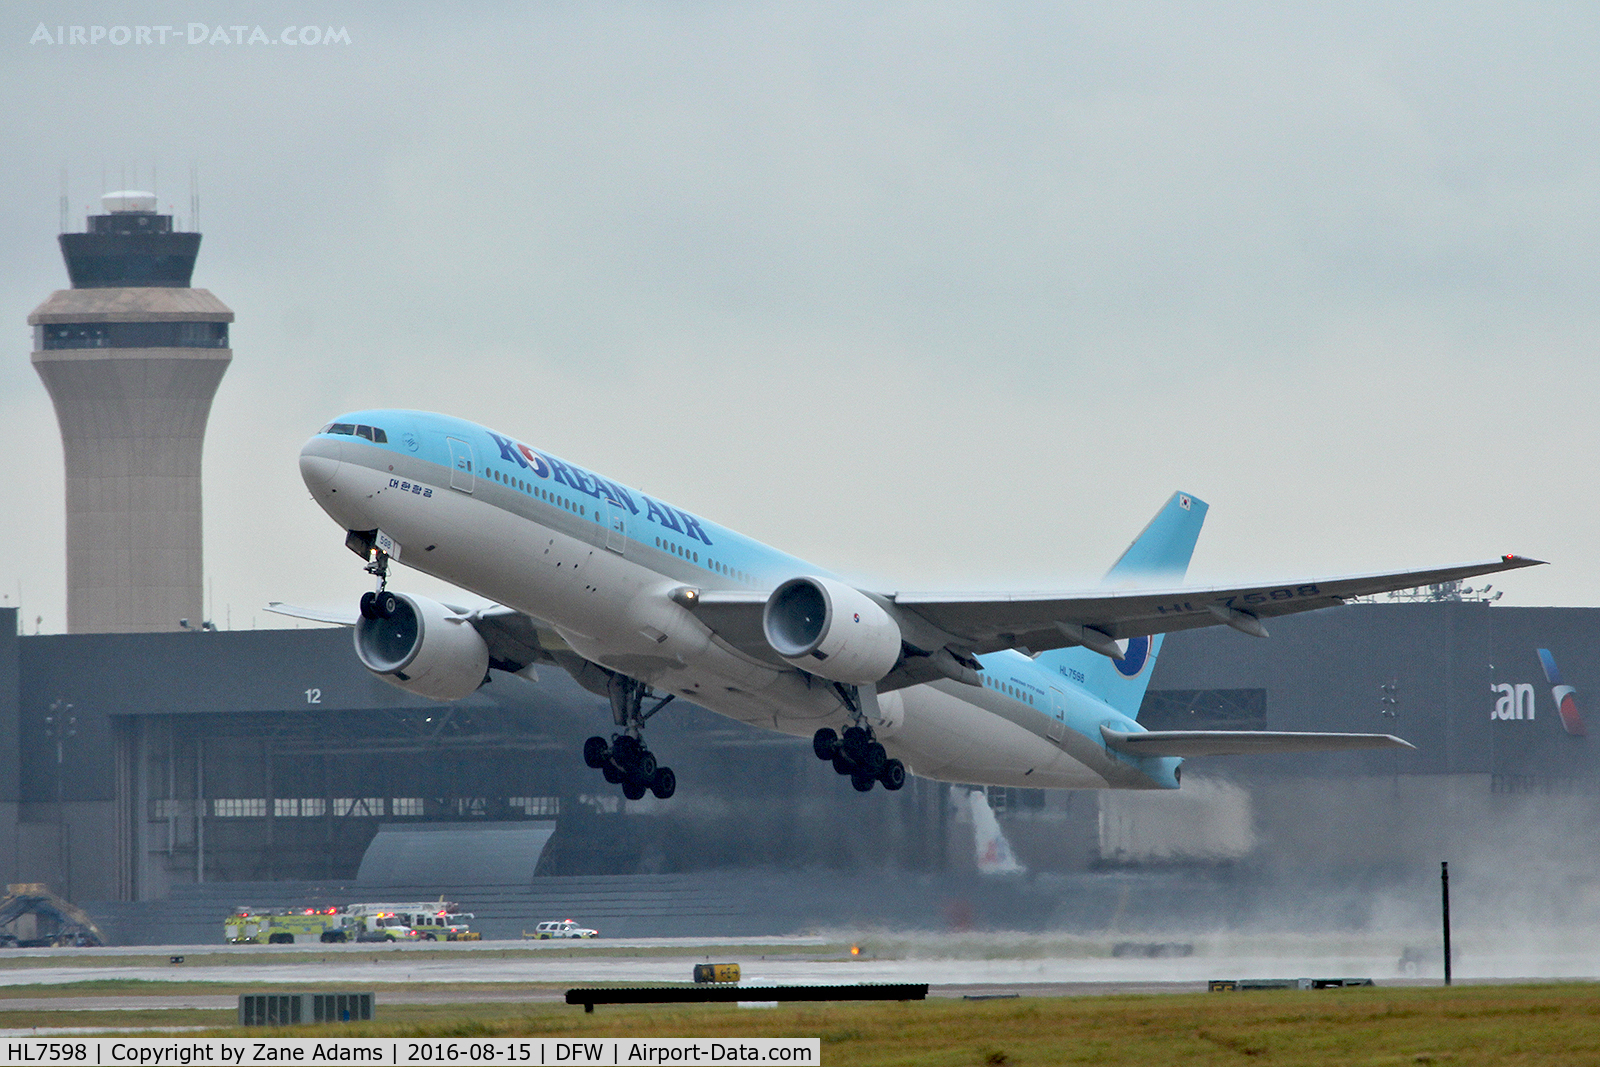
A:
378, 604
858, 754
625, 760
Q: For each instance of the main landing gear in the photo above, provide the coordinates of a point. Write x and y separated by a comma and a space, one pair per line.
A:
858, 754
625, 760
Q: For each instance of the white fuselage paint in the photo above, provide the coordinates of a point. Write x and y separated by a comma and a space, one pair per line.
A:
612, 607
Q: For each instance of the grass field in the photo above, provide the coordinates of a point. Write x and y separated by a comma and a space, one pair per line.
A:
1509, 1024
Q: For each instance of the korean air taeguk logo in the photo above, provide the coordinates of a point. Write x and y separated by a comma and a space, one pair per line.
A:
1134, 659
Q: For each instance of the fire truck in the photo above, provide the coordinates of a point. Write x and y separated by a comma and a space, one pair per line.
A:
414, 921
285, 926
435, 920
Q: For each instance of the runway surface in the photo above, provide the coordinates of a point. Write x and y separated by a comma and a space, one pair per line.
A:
971, 963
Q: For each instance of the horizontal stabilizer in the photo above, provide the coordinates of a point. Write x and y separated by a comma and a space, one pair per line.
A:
1239, 742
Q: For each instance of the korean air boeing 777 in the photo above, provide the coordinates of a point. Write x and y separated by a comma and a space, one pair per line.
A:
643, 602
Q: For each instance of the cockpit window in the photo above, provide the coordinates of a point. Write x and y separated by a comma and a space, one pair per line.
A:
350, 429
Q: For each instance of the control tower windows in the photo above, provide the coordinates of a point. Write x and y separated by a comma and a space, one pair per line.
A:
130, 335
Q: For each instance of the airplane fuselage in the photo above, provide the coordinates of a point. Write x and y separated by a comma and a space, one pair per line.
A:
598, 563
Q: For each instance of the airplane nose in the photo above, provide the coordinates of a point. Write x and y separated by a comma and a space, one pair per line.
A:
319, 462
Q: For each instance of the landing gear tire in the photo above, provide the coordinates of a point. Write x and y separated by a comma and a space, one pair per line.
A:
825, 743
369, 605
612, 775
893, 775
387, 605
626, 750
633, 789
664, 784
644, 767
860, 757
595, 751
874, 759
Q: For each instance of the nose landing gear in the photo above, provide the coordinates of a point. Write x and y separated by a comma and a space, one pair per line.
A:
625, 760
378, 604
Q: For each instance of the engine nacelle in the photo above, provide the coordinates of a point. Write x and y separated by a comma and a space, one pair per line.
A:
424, 648
831, 630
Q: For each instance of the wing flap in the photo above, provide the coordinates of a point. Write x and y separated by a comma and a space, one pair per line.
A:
1240, 742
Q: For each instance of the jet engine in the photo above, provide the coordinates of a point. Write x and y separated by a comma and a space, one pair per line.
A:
422, 646
831, 630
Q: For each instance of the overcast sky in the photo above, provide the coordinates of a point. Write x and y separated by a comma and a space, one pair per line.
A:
936, 295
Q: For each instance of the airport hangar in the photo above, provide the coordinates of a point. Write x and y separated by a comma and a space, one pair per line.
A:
134, 767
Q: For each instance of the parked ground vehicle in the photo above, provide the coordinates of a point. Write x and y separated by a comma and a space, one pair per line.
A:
284, 926
437, 920
421, 921
559, 929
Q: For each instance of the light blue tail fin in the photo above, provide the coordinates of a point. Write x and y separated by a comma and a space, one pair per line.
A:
1159, 556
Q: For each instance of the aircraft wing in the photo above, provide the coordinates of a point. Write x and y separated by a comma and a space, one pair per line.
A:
295, 611
1039, 622
1239, 742
967, 624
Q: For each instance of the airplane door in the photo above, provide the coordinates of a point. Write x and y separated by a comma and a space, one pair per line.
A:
616, 528
1058, 716
460, 465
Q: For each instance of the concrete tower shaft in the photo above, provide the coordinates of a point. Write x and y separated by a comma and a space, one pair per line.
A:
132, 370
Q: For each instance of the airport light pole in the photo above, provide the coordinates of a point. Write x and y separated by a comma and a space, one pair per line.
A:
1444, 897
60, 725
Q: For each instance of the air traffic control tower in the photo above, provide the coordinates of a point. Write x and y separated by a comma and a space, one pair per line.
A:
132, 356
